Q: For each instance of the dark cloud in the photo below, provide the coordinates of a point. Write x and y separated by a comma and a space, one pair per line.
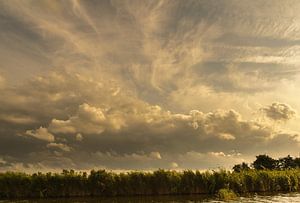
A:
279, 112
115, 130
243, 77
87, 84
235, 40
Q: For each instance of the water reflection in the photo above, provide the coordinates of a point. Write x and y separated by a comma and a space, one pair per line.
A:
148, 199
291, 197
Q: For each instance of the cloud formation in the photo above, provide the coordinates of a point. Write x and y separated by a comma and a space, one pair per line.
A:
90, 120
41, 133
124, 132
60, 146
279, 112
144, 85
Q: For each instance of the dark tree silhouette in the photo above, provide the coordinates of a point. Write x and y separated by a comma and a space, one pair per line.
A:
240, 167
287, 163
297, 162
265, 162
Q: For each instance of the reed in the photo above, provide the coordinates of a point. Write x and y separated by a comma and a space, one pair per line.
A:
160, 182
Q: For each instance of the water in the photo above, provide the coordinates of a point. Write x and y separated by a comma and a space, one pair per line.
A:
291, 197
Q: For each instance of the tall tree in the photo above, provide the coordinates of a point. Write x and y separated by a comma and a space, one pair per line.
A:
287, 162
265, 162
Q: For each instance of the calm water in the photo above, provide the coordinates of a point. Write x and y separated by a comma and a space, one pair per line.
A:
292, 197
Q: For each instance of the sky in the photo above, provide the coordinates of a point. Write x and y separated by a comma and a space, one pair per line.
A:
142, 85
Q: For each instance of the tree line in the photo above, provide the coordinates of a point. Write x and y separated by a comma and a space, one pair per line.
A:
266, 162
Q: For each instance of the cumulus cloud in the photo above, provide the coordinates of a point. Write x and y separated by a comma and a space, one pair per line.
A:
279, 112
227, 125
155, 155
221, 124
118, 93
41, 133
122, 131
88, 120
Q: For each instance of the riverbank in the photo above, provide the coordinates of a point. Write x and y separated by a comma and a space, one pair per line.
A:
103, 183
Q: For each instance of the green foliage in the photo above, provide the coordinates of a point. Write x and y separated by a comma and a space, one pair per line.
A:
226, 194
160, 182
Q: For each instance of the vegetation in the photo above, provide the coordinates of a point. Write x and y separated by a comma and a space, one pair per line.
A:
265, 162
225, 184
226, 194
241, 167
103, 183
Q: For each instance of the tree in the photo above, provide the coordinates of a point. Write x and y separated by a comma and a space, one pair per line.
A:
240, 167
287, 162
297, 162
265, 162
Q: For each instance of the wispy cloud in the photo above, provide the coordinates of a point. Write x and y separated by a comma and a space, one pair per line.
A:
117, 80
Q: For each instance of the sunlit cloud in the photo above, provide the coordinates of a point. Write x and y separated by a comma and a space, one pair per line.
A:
136, 84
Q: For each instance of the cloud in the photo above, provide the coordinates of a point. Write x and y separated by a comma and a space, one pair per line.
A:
174, 165
221, 124
2, 161
60, 146
112, 83
222, 154
21, 120
79, 137
2, 81
235, 40
229, 125
54, 97
243, 77
279, 112
211, 159
226, 136
114, 160
155, 155
88, 120
41, 133
84, 117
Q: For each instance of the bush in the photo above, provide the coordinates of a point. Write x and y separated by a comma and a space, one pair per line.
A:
226, 194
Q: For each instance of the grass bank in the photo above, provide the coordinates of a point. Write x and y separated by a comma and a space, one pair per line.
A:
160, 182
